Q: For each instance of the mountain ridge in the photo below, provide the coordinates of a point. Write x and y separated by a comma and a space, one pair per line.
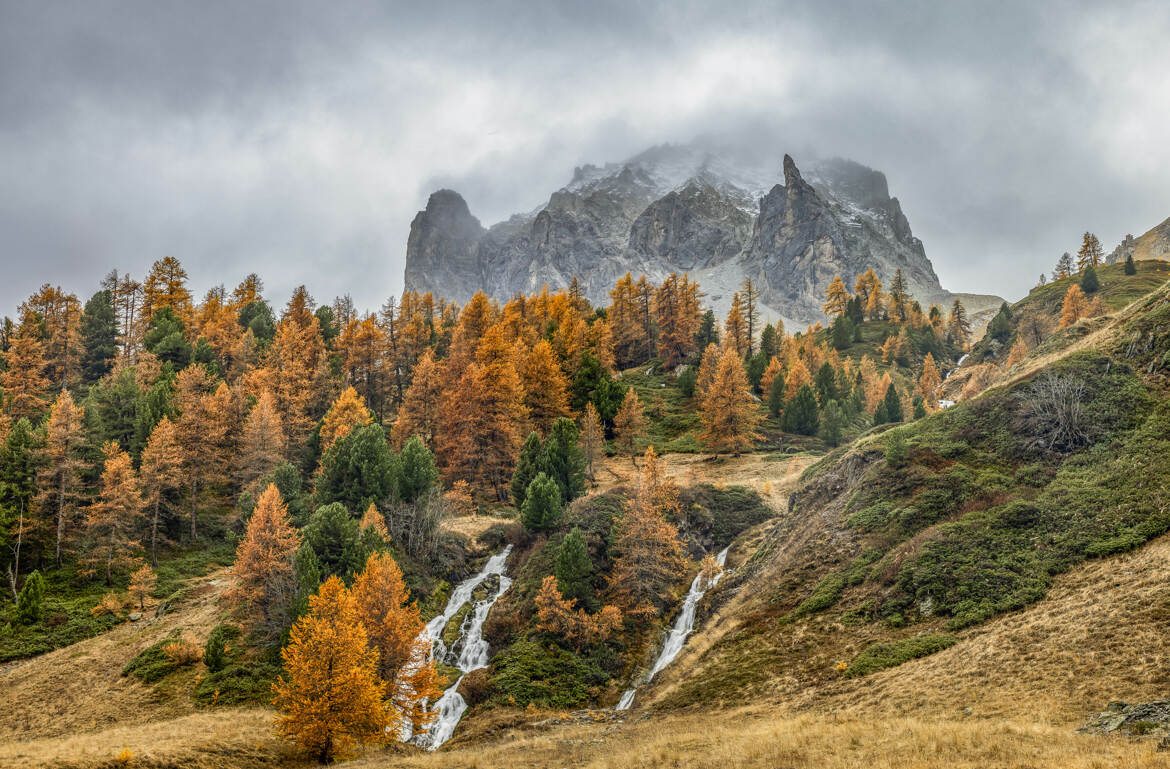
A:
682, 208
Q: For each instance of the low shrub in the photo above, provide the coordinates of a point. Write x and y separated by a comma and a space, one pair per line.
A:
546, 676
238, 683
880, 656
183, 652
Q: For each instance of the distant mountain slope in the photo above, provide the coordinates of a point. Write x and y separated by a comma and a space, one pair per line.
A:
684, 209
1154, 244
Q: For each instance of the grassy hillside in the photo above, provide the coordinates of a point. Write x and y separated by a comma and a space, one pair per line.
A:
906, 543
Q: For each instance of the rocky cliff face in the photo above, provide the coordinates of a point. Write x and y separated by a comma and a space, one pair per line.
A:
443, 247
681, 209
1154, 244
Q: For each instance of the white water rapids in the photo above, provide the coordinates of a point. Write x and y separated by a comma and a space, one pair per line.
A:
474, 652
945, 403
683, 625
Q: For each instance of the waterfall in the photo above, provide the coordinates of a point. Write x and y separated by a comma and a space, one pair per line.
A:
946, 404
473, 653
684, 623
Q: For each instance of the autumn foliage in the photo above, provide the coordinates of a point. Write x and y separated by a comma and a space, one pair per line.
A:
650, 555
264, 567
329, 699
560, 616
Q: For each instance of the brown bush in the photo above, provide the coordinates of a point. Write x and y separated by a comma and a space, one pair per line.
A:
111, 603
476, 686
183, 652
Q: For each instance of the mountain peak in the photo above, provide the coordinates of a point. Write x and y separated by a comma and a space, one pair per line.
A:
717, 211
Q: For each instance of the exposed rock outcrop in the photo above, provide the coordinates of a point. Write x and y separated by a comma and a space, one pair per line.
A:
683, 209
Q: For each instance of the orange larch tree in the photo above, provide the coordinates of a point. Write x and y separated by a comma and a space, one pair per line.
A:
735, 328
560, 616
774, 369
329, 699
166, 286
546, 388
677, 314
728, 413
419, 413
628, 425
262, 443
837, 297
60, 321
112, 520
162, 473
346, 413
592, 438
930, 380
650, 555
23, 382
298, 361
264, 567
1074, 307
60, 476
193, 432
395, 632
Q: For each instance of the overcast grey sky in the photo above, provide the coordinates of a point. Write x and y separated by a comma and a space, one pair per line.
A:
297, 140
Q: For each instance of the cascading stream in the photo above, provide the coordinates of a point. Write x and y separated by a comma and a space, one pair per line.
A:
945, 403
473, 653
684, 623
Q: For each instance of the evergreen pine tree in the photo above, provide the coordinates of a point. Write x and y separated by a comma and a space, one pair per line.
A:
708, 331
841, 332
776, 396
528, 464
574, 568
1130, 266
893, 405
800, 414
1089, 280
336, 539
831, 423
417, 471
165, 338
99, 337
31, 599
542, 504
564, 461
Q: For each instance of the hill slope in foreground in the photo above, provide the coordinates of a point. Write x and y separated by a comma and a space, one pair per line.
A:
947, 593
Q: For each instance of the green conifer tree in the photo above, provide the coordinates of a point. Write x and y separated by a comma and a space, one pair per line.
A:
800, 415
574, 569
893, 405
564, 459
542, 504
528, 464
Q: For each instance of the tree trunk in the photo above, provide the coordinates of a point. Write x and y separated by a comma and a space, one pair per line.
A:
194, 499
60, 516
15, 570
154, 533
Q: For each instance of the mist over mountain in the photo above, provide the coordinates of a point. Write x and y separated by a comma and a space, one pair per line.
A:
711, 211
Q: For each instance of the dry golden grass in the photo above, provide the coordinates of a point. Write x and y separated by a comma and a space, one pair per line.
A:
471, 526
80, 689
772, 479
738, 739
211, 740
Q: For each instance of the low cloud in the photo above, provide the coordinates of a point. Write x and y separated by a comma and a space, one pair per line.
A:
298, 143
